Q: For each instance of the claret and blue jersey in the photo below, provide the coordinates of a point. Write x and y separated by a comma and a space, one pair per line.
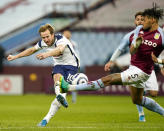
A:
152, 42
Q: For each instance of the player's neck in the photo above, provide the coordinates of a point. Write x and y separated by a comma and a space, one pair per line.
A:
53, 40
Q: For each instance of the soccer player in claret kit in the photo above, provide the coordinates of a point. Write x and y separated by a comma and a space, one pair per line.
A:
151, 85
148, 40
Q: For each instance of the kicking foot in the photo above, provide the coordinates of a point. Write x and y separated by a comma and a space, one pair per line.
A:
42, 123
63, 85
142, 118
62, 100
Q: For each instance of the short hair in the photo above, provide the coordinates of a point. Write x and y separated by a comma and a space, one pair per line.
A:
138, 13
45, 27
154, 12
67, 34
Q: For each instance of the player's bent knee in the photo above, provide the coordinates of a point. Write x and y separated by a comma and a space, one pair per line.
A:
137, 101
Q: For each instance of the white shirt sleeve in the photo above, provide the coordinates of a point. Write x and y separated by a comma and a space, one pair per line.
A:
61, 42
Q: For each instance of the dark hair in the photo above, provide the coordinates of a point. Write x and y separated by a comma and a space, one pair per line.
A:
154, 12
45, 27
138, 13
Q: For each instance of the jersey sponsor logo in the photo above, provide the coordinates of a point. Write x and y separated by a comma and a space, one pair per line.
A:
156, 36
149, 43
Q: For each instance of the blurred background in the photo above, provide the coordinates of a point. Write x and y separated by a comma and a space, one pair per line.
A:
97, 26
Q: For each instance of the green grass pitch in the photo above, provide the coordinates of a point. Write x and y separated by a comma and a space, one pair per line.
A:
90, 113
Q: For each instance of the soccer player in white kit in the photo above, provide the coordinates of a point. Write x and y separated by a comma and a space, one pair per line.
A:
148, 40
66, 63
151, 85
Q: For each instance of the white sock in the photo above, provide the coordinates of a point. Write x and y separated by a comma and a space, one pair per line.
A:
93, 85
150, 104
55, 105
57, 88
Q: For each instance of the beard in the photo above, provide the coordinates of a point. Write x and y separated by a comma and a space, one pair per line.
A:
147, 29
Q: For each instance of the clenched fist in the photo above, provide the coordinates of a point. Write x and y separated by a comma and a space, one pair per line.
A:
11, 57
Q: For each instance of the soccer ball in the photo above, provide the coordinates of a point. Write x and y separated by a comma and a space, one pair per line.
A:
79, 78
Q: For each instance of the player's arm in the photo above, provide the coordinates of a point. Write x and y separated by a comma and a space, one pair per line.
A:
55, 52
123, 44
24, 53
157, 60
111, 62
137, 40
134, 46
162, 71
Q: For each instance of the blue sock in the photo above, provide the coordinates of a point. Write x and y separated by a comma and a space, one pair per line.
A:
93, 85
98, 84
150, 104
140, 110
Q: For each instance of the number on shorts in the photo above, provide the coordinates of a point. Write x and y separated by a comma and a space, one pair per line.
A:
134, 76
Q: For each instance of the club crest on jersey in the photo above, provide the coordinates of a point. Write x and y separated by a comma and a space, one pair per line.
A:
141, 32
156, 36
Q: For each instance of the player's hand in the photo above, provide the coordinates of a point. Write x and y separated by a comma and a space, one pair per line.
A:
138, 41
11, 57
154, 58
108, 65
41, 56
162, 71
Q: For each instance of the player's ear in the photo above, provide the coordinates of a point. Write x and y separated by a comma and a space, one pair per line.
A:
154, 20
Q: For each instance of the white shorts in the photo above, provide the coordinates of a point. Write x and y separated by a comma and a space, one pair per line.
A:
151, 83
136, 77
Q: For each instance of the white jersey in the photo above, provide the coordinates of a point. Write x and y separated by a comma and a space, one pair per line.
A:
69, 57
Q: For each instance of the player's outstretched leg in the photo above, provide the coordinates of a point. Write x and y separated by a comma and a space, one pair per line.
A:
62, 100
92, 85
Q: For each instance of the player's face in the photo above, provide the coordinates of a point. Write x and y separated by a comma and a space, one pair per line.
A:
139, 20
148, 21
67, 34
47, 37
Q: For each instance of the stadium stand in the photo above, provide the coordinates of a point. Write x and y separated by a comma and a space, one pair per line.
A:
97, 37
31, 10
20, 27
120, 14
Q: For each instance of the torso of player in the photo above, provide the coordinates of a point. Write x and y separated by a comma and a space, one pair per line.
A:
69, 57
152, 42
